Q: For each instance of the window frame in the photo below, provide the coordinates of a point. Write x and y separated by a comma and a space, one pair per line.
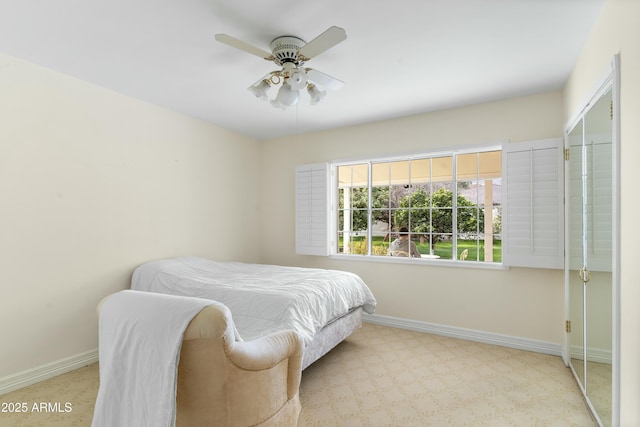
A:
370, 161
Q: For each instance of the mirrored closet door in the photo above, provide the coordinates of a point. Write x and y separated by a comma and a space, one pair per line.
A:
590, 206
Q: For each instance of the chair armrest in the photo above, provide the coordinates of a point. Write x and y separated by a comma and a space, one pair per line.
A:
260, 354
266, 352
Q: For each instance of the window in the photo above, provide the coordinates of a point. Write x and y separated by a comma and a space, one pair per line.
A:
498, 205
449, 203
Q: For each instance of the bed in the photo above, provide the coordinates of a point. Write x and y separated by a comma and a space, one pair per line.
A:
323, 306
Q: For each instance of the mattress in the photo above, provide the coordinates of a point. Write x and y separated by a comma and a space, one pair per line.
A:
262, 298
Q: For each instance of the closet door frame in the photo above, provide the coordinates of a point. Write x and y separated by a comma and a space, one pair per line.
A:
609, 80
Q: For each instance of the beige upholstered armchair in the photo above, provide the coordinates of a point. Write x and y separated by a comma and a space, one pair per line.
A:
225, 382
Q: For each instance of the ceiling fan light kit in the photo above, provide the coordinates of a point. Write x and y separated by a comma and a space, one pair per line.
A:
290, 53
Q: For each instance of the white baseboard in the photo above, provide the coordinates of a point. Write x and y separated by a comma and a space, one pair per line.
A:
44, 372
466, 334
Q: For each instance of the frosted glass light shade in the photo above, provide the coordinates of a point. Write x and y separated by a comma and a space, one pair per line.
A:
286, 97
315, 94
260, 89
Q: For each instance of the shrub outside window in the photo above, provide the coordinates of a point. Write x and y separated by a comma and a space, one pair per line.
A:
450, 204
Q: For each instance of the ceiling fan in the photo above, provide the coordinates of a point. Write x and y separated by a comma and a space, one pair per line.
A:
290, 53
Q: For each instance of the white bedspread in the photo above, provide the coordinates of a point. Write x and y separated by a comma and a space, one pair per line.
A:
262, 298
140, 339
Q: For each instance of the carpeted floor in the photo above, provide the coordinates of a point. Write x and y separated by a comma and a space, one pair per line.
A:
380, 376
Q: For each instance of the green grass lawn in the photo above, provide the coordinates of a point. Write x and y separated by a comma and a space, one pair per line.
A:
442, 249
475, 251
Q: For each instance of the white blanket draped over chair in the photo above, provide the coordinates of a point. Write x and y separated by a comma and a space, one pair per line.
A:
140, 335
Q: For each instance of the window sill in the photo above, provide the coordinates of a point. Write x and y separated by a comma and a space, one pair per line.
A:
431, 262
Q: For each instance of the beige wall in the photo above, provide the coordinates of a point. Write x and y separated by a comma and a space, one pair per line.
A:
93, 183
617, 31
519, 302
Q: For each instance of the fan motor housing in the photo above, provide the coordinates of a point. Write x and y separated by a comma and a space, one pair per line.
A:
285, 49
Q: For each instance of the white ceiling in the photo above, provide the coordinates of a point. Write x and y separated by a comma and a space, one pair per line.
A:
399, 58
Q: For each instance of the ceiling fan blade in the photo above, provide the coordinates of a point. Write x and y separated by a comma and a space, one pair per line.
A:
323, 42
239, 44
324, 80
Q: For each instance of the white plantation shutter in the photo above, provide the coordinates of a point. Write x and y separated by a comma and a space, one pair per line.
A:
312, 209
533, 210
